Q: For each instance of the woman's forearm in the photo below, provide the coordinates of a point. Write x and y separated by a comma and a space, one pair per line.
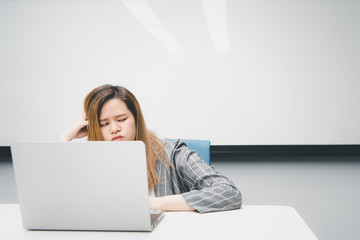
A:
169, 203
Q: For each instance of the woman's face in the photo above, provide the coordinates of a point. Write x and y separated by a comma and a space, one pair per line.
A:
117, 123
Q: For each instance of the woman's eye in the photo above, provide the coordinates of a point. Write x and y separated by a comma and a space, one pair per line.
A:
121, 120
102, 125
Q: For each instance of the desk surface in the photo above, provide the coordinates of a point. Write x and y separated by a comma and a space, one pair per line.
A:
250, 222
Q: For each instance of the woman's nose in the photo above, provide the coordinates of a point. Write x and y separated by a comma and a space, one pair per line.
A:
115, 127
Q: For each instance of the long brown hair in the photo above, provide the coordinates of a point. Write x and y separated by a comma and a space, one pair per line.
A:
155, 149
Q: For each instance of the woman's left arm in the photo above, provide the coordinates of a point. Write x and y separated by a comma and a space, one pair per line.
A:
208, 190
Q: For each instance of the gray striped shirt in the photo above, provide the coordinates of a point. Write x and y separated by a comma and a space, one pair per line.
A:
202, 187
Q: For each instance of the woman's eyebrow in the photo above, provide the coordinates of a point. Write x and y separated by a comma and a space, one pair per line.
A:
119, 115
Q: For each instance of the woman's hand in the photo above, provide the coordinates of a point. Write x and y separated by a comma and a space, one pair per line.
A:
78, 130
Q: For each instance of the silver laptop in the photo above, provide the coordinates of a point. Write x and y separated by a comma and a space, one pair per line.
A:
83, 186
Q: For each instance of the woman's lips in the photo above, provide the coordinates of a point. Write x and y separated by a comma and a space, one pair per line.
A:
118, 138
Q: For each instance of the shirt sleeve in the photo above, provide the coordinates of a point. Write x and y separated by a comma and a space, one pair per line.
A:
208, 190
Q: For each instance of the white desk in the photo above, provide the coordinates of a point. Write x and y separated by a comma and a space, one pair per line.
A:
250, 222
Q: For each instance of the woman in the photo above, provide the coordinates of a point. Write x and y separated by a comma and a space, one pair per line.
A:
178, 179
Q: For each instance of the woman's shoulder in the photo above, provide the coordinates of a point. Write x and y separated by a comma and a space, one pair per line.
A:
172, 144
176, 149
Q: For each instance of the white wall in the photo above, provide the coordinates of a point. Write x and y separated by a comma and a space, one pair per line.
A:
291, 75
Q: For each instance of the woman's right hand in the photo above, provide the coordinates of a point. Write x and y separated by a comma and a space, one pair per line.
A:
78, 130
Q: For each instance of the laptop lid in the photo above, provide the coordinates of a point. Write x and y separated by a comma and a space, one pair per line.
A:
83, 185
